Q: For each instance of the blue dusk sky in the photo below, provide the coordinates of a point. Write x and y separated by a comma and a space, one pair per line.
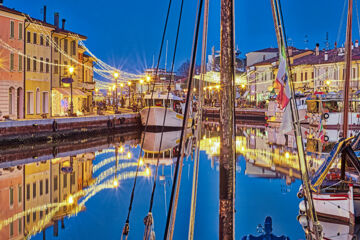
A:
127, 34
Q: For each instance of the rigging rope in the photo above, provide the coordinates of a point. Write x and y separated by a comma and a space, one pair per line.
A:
179, 162
147, 221
126, 228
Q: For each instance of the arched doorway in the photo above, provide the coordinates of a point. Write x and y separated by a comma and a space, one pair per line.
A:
20, 102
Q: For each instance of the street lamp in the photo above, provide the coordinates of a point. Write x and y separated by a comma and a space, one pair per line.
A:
116, 76
328, 82
121, 92
71, 71
129, 84
148, 79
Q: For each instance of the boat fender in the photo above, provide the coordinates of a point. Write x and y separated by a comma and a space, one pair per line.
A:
326, 138
55, 126
326, 115
302, 220
302, 208
300, 194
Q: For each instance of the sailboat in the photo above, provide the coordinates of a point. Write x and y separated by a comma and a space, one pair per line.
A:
335, 191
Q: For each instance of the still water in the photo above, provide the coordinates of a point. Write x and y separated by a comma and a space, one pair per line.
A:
70, 189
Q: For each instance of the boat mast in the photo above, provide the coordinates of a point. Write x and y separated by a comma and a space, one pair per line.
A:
227, 140
348, 57
281, 38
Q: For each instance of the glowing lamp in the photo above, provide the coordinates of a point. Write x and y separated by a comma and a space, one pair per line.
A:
129, 155
147, 171
115, 183
71, 69
116, 75
70, 200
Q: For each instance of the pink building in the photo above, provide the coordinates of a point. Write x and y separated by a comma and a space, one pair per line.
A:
11, 202
11, 63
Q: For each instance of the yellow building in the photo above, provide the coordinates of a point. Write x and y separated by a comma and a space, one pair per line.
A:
37, 69
65, 54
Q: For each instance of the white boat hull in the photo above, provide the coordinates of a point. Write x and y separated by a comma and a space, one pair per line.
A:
156, 117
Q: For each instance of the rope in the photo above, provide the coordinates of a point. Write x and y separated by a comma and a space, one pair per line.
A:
179, 162
341, 23
126, 228
199, 124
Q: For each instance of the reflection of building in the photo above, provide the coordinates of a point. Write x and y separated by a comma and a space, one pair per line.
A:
11, 64
11, 201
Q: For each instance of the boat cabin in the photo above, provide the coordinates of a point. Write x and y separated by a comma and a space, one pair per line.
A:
161, 100
330, 103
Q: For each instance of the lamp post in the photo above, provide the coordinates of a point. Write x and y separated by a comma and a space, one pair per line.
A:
129, 84
121, 93
71, 71
328, 82
141, 92
116, 76
148, 79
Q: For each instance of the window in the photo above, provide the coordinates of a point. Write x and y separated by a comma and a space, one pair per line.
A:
55, 183
56, 40
47, 41
20, 225
56, 67
35, 38
11, 195
37, 101
20, 63
34, 190
45, 103
66, 45
354, 73
65, 181
72, 179
66, 64
312, 75
41, 214
30, 102
28, 40
46, 186
41, 40
34, 64
41, 187
47, 65
12, 29
20, 31
305, 76
11, 229
27, 191
28, 218
34, 216
11, 62
73, 47
302, 77
41, 64
19, 193
28, 64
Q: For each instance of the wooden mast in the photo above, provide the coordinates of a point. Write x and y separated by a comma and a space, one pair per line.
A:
227, 140
348, 57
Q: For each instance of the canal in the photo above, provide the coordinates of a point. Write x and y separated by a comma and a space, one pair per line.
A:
81, 188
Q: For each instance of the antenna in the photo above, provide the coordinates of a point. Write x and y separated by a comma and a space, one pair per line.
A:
327, 41
306, 41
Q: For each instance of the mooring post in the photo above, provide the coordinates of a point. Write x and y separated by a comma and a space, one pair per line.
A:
227, 141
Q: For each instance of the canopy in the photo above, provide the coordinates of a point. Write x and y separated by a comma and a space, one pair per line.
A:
67, 92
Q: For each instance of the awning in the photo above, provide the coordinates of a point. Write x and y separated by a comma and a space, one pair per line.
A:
67, 92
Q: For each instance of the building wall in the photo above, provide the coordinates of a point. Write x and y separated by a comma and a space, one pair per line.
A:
37, 85
11, 79
255, 57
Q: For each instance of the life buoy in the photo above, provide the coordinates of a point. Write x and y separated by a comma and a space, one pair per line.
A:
326, 115
326, 138
54, 126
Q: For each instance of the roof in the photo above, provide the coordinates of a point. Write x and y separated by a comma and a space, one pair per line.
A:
59, 30
271, 49
295, 52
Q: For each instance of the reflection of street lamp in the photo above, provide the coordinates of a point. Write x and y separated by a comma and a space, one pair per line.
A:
71, 71
116, 76
328, 82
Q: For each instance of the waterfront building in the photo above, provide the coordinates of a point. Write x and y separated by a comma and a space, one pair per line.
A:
11, 201
37, 68
11, 64
65, 54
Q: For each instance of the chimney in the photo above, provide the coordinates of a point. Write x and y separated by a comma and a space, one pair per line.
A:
44, 13
356, 43
335, 45
317, 49
56, 20
63, 23
290, 51
326, 56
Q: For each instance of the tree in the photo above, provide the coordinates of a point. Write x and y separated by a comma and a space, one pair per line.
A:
183, 70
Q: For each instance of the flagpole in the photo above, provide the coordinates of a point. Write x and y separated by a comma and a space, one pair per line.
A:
283, 49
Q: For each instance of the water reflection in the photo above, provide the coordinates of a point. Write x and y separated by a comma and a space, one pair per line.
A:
43, 187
